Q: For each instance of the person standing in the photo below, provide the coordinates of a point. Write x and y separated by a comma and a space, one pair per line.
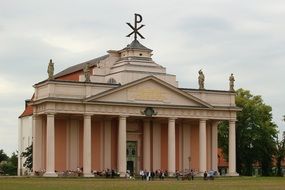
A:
205, 175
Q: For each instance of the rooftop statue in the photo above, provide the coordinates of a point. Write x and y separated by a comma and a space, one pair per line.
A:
232, 81
50, 70
86, 71
201, 80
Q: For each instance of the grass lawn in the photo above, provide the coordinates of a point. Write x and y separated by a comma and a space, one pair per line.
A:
242, 183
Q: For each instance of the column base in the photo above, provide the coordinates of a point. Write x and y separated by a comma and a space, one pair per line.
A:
200, 174
50, 174
234, 174
88, 175
122, 174
171, 174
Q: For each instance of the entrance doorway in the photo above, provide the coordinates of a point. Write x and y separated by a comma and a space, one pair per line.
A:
131, 156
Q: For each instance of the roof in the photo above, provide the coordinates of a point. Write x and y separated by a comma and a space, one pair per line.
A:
136, 45
27, 112
80, 66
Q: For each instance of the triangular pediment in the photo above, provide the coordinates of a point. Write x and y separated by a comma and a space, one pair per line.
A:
149, 90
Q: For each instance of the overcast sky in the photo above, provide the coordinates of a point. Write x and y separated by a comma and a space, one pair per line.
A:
244, 37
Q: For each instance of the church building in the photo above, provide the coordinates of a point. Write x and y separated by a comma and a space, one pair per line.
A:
122, 111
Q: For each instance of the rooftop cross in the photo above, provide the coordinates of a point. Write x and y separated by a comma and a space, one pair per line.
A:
138, 19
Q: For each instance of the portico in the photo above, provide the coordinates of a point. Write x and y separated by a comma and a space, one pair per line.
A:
95, 136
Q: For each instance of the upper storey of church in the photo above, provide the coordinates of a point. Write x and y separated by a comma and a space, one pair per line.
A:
120, 66
128, 64
126, 76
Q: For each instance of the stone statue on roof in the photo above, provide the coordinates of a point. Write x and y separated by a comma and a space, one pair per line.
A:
86, 71
201, 80
232, 81
50, 70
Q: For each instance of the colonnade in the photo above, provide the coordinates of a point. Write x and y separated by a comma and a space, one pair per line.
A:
122, 140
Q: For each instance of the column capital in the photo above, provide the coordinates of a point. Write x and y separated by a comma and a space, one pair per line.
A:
172, 118
123, 116
88, 115
232, 121
202, 120
215, 122
50, 113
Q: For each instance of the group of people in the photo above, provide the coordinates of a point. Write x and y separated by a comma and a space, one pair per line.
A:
210, 175
150, 175
108, 173
185, 175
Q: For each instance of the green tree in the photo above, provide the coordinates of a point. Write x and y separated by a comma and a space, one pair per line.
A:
28, 154
9, 167
3, 156
14, 159
280, 154
255, 134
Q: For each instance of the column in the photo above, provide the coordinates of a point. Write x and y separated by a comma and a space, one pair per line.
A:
232, 149
122, 145
35, 168
186, 146
101, 145
107, 144
19, 170
73, 145
146, 145
156, 146
50, 155
37, 138
215, 145
180, 151
87, 146
171, 146
202, 146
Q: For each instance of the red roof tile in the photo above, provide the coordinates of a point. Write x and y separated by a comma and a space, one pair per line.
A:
27, 112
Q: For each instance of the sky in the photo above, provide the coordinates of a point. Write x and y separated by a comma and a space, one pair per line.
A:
244, 37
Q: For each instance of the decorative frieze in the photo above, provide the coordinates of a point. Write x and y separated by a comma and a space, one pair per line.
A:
73, 108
